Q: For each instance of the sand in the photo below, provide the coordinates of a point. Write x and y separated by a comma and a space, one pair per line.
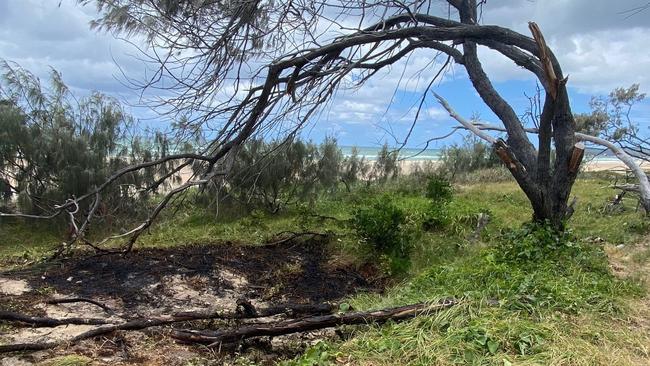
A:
408, 166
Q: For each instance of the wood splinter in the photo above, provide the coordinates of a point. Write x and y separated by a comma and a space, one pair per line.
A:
577, 153
507, 157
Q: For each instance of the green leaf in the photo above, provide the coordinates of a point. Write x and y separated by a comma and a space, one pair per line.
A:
344, 307
482, 339
493, 346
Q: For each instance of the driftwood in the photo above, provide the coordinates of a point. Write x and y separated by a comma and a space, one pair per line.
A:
308, 324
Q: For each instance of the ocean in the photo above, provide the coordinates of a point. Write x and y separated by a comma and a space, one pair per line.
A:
414, 154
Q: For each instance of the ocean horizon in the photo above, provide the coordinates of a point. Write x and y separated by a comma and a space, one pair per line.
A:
419, 154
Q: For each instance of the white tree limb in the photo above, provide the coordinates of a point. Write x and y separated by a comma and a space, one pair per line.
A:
642, 177
467, 124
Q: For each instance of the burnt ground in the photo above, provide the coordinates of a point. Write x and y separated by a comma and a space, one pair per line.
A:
151, 282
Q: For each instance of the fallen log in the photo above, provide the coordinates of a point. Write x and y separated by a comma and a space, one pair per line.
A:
308, 324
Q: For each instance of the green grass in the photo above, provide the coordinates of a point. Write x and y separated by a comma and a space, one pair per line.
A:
504, 200
70, 360
561, 306
565, 309
21, 239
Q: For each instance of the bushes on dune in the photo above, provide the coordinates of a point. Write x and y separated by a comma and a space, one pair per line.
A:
472, 160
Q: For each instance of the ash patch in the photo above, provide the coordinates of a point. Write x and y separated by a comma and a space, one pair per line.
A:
152, 282
194, 276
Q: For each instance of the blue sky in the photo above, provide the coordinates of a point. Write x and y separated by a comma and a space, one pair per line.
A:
598, 44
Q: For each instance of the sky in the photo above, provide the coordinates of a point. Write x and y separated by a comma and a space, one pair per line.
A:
599, 43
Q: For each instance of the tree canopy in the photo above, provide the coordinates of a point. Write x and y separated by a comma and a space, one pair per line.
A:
55, 146
245, 68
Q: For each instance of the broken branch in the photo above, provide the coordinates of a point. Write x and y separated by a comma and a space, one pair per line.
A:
311, 323
80, 299
48, 322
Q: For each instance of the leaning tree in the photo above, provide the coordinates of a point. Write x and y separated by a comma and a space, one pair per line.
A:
239, 68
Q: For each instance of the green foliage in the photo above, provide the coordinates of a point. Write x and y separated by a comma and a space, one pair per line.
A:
470, 156
610, 116
536, 242
69, 360
55, 145
511, 309
382, 225
559, 274
353, 168
386, 166
439, 190
436, 217
320, 354
275, 174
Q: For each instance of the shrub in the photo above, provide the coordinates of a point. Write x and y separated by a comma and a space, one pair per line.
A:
436, 218
353, 168
381, 225
54, 145
535, 242
439, 190
280, 173
470, 156
386, 167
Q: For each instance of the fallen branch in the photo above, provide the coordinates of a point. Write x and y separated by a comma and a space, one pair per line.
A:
294, 235
80, 299
325, 217
139, 324
308, 324
48, 322
626, 187
245, 310
131, 325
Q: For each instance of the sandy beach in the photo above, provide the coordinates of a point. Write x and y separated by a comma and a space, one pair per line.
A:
408, 166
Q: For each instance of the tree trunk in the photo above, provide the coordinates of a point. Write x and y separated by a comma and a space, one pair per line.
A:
555, 185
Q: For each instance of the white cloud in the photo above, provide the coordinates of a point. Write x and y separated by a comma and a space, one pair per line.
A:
437, 113
598, 46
